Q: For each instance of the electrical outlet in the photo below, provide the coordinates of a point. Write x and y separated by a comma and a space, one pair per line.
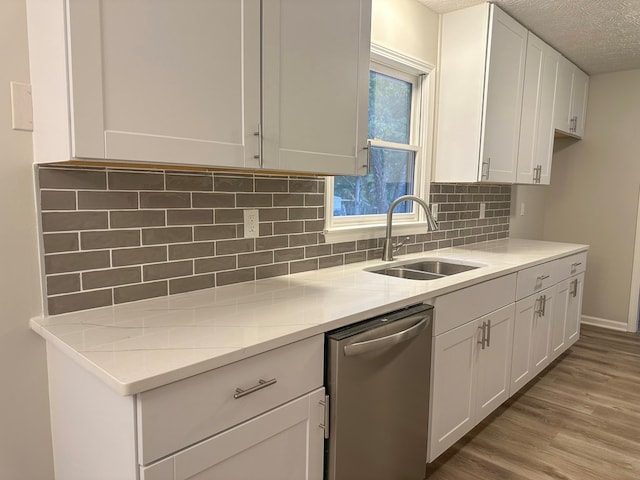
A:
434, 210
522, 209
250, 223
483, 207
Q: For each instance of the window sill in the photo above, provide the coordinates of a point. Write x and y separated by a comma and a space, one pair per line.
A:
361, 232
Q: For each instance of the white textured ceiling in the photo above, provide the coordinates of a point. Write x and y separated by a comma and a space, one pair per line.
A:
597, 35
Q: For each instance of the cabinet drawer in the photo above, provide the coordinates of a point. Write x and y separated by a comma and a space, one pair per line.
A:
459, 307
571, 265
534, 279
182, 413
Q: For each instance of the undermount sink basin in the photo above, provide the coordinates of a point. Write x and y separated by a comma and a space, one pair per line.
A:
423, 269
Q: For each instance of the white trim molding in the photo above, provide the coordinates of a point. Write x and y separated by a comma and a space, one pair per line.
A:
604, 323
634, 292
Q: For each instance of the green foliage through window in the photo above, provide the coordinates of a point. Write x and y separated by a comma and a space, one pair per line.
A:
391, 170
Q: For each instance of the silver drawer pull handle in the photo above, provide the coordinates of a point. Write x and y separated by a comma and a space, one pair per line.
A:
483, 340
575, 265
261, 384
543, 277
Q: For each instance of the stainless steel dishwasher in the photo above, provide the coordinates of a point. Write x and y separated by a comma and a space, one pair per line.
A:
378, 386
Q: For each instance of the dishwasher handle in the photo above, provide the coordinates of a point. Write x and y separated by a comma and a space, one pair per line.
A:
359, 348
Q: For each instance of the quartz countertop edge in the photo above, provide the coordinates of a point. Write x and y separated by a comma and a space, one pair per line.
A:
143, 345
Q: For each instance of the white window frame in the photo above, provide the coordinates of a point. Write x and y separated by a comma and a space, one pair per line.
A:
347, 228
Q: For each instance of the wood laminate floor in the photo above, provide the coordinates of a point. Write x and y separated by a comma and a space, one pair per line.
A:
579, 420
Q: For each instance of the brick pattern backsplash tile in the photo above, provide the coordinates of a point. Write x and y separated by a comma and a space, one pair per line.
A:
112, 236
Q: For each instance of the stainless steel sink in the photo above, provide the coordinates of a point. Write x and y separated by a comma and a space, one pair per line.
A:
425, 269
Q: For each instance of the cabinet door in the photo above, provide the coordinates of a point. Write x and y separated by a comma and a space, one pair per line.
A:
531, 343
315, 85
521, 367
284, 444
559, 319
503, 98
564, 93
540, 341
537, 128
493, 363
579, 101
452, 393
172, 81
574, 309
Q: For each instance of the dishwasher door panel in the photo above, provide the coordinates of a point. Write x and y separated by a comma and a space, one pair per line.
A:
379, 404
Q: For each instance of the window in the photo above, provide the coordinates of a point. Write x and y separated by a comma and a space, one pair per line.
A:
356, 206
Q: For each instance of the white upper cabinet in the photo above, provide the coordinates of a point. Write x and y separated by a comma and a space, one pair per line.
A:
480, 95
571, 99
197, 82
537, 123
315, 85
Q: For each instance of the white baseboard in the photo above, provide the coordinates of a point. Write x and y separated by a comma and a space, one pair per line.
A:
604, 323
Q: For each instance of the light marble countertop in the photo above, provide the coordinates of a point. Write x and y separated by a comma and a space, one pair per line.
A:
139, 346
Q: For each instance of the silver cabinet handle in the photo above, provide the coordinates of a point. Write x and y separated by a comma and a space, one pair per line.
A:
368, 149
573, 291
487, 163
542, 277
325, 423
489, 333
258, 134
261, 384
366, 346
537, 173
541, 301
483, 339
575, 265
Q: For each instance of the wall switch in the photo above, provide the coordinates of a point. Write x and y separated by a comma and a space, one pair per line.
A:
522, 209
250, 223
21, 107
483, 207
434, 210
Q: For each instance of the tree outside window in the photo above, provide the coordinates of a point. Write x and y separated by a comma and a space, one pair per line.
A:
392, 157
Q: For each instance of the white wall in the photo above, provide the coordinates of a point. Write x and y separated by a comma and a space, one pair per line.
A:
406, 26
529, 199
593, 197
25, 439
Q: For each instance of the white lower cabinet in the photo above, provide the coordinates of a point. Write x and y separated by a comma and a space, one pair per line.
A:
574, 310
557, 335
565, 327
255, 419
283, 444
471, 372
478, 363
531, 337
548, 310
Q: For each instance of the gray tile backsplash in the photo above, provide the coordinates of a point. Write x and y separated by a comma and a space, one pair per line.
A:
112, 236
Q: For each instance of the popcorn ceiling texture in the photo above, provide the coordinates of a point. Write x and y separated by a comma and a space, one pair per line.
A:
598, 36
113, 236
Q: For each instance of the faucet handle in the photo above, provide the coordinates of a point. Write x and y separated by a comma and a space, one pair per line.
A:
397, 246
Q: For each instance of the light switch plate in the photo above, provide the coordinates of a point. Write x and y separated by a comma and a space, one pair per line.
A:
21, 107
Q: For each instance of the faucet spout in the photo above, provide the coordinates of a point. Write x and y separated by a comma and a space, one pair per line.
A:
432, 224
